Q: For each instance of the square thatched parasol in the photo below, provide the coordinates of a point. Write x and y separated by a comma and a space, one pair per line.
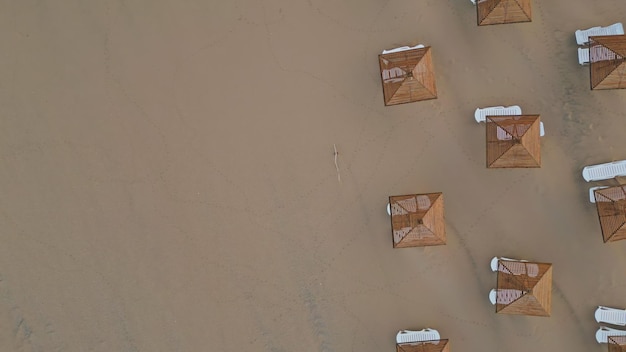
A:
503, 11
417, 220
513, 141
607, 56
611, 205
407, 76
524, 288
424, 346
617, 343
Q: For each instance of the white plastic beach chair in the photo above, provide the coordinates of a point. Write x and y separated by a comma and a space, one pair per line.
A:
403, 48
611, 315
602, 335
407, 336
582, 35
481, 114
604, 171
583, 56
592, 196
494, 262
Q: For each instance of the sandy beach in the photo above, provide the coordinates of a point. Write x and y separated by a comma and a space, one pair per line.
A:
168, 176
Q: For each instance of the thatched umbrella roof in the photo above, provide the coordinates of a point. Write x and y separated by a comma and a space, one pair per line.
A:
407, 76
503, 11
607, 56
417, 220
524, 288
424, 346
513, 141
617, 343
611, 205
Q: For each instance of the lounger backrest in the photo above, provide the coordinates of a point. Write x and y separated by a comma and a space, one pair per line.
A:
417, 336
511, 110
604, 171
613, 316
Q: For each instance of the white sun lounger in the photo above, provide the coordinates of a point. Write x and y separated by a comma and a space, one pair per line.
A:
582, 35
592, 196
407, 336
604, 171
481, 114
494, 262
583, 56
403, 48
611, 315
602, 335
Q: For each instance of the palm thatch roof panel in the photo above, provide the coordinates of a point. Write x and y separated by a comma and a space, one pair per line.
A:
617, 343
615, 43
608, 75
503, 11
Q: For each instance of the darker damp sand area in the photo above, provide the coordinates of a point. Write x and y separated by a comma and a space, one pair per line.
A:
168, 179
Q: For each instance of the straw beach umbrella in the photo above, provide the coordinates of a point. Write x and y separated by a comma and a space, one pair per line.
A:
424, 346
524, 288
417, 220
407, 76
617, 343
503, 11
607, 57
513, 141
611, 205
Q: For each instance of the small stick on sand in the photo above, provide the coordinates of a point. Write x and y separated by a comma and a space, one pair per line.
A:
336, 165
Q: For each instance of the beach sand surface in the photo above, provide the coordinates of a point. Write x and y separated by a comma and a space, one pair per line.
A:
168, 177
